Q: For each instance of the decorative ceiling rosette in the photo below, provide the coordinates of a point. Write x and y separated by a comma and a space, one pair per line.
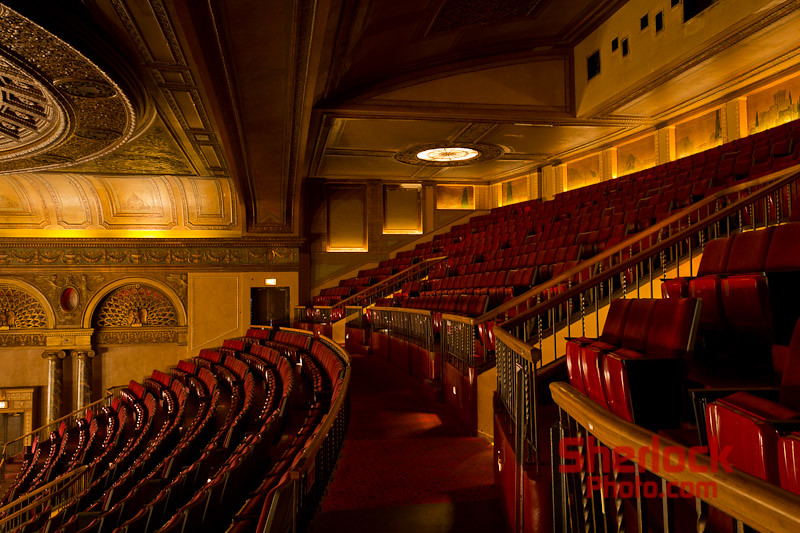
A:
57, 108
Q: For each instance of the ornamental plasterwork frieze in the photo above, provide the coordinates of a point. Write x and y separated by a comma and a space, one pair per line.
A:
97, 255
135, 336
14, 339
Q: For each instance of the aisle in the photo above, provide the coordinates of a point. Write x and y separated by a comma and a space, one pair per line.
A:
406, 464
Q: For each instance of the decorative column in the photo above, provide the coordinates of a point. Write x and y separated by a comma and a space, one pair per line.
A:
666, 148
84, 381
608, 164
736, 119
55, 382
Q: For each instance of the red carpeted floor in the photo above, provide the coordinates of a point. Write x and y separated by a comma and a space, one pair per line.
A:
402, 449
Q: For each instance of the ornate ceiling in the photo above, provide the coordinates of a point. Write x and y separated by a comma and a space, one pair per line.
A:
212, 113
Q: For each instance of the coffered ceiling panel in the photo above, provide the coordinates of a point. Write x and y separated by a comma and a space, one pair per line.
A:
544, 140
537, 84
485, 171
384, 167
381, 134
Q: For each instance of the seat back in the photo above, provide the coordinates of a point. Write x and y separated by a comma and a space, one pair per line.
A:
715, 257
615, 321
637, 324
751, 440
673, 328
748, 252
784, 249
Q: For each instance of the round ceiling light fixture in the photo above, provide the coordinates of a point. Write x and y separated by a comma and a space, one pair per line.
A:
455, 153
443, 154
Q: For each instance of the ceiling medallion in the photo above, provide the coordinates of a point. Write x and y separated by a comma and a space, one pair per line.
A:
448, 154
57, 108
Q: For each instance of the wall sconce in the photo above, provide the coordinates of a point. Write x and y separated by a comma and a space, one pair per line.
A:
270, 281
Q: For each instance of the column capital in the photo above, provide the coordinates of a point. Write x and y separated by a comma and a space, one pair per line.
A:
54, 354
83, 354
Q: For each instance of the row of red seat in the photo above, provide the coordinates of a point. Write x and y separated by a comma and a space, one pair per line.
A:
230, 398
636, 367
759, 434
732, 281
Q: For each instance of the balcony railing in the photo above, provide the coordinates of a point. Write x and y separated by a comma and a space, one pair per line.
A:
603, 465
295, 503
630, 266
48, 498
390, 285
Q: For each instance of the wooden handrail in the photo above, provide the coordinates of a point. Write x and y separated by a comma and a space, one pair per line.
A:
777, 183
310, 450
421, 312
531, 353
63, 482
783, 176
55, 423
744, 497
378, 287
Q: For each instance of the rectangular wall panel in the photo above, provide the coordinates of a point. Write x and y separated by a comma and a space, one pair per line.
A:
347, 218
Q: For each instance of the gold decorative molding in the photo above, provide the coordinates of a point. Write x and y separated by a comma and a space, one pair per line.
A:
136, 336
60, 108
66, 205
14, 339
69, 339
197, 255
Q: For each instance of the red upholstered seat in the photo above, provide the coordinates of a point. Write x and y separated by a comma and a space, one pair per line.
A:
675, 288
752, 440
789, 462
644, 390
637, 324
634, 337
784, 249
642, 386
741, 421
671, 332
591, 365
745, 300
709, 290
707, 286
749, 251
612, 335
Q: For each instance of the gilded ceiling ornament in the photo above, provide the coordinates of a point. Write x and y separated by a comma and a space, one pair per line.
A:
57, 108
